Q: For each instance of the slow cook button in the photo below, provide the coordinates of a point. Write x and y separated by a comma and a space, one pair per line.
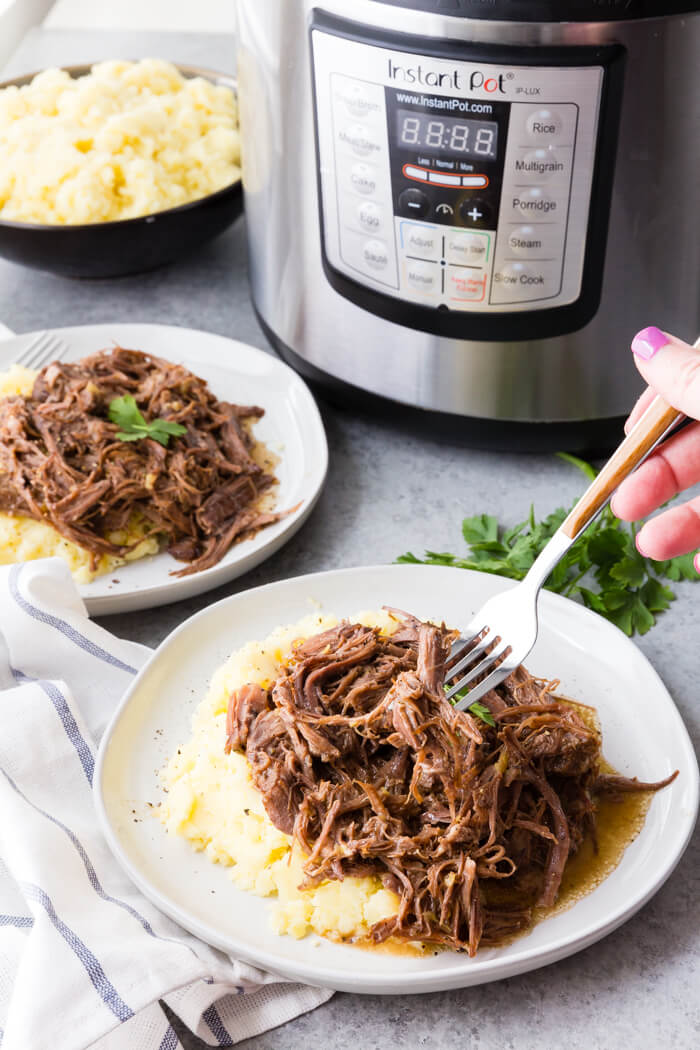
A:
361, 141
363, 178
469, 249
375, 254
538, 164
422, 241
465, 285
422, 276
522, 282
369, 216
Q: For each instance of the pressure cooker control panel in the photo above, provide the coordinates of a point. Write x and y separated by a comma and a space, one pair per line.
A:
458, 185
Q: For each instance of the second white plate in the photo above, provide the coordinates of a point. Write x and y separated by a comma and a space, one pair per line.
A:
291, 428
643, 735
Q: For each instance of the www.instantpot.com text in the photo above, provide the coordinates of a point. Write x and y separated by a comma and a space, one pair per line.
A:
463, 105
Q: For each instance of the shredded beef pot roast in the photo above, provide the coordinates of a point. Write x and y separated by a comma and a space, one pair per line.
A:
360, 757
61, 462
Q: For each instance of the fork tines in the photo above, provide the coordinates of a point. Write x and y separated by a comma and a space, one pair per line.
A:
477, 656
44, 347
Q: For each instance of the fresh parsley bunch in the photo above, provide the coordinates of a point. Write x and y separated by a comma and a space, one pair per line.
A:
603, 568
126, 414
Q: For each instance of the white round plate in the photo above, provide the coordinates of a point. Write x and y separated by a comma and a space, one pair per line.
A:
643, 735
291, 428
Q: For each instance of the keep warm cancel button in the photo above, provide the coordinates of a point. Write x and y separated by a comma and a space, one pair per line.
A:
518, 282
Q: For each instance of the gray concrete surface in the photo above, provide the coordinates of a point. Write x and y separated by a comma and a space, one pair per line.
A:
390, 490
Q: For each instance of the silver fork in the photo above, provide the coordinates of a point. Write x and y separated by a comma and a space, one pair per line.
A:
44, 347
504, 630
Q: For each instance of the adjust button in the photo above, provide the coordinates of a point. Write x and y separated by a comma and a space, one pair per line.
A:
425, 242
414, 202
475, 212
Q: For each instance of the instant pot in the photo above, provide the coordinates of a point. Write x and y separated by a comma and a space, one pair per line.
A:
463, 210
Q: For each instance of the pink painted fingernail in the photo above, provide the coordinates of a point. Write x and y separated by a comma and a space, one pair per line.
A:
696, 563
648, 341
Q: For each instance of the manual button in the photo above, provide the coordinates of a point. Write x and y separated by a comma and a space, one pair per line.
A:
422, 276
467, 249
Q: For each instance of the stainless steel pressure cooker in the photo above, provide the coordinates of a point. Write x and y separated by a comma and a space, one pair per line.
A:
468, 207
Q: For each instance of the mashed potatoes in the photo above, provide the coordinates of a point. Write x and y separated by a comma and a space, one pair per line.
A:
211, 800
129, 139
24, 539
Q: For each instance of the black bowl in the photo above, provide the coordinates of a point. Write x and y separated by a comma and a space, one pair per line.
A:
114, 249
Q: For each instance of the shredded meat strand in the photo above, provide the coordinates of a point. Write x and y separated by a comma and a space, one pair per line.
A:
360, 757
62, 463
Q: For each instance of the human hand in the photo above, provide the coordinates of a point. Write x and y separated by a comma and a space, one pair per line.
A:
672, 369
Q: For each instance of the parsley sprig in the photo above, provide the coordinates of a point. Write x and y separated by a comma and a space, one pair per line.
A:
603, 568
126, 414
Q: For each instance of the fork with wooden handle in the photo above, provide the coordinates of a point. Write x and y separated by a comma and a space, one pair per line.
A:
504, 630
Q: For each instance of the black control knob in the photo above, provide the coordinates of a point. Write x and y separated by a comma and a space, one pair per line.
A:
475, 212
414, 203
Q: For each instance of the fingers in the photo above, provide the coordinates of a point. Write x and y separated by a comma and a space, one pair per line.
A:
671, 468
671, 367
640, 408
676, 531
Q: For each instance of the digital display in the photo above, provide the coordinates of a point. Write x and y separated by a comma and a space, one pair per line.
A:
448, 135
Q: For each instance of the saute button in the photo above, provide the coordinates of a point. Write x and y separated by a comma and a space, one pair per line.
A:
369, 216
468, 249
465, 284
544, 125
414, 202
422, 276
422, 241
363, 178
375, 254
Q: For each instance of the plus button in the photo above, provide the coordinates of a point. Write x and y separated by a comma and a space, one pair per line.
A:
474, 215
474, 210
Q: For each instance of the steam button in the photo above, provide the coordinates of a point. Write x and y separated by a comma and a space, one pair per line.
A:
415, 203
375, 254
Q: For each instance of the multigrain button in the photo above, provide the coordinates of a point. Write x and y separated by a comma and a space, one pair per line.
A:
415, 203
375, 254
421, 241
544, 125
360, 140
533, 202
539, 164
467, 249
422, 276
363, 178
369, 216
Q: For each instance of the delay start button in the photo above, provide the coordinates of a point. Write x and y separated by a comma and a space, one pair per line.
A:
467, 249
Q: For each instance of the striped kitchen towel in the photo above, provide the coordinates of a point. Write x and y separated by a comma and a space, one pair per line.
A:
85, 959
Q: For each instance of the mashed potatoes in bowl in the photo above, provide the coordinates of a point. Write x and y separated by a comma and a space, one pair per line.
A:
125, 140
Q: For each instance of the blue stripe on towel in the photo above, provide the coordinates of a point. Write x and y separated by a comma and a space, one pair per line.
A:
216, 1026
19, 921
91, 873
61, 625
65, 714
169, 1041
104, 987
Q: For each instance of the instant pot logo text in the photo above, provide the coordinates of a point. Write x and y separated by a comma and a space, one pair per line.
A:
475, 81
